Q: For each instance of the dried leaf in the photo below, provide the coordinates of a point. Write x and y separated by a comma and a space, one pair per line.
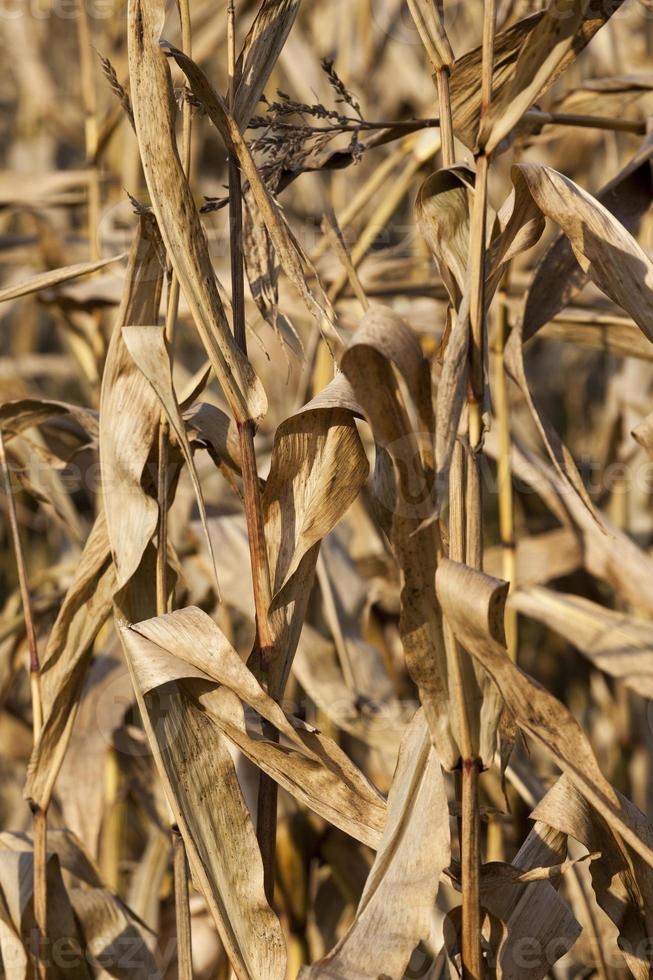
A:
558, 38
396, 906
617, 643
188, 645
263, 45
469, 601
129, 412
622, 881
45, 280
286, 247
177, 216
85, 608
559, 276
403, 488
199, 778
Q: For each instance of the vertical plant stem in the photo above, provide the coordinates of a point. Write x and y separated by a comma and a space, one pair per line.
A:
446, 120
266, 822
180, 864
465, 537
487, 70
89, 103
40, 832
470, 847
477, 302
504, 469
172, 310
39, 815
472, 960
182, 908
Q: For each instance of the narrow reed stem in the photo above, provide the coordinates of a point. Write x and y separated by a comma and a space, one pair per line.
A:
470, 849
180, 864
182, 908
446, 119
112, 837
172, 311
91, 129
39, 815
470, 844
487, 69
40, 834
266, 824
504, 469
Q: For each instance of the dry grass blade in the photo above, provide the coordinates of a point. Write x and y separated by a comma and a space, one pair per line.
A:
46, 280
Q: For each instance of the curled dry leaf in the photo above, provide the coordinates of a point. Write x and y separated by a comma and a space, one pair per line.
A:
622, 882
559, 276
403, 488
188, 645
197, 772
130, 412
469, 601
23, 413
604, 249
317, 470
442, 209
177, 216
396, 906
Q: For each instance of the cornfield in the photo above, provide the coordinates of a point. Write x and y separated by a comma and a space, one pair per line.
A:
326, 441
